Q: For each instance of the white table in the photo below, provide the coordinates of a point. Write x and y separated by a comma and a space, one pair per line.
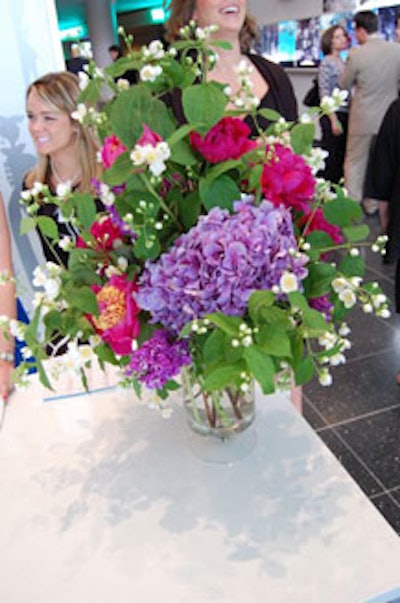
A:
102, 501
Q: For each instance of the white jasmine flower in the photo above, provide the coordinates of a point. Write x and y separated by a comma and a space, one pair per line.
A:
107, 195
344, 330
83, 79
80, 113
354, 252
288, 282
122, 84
150, 73
325, 378
66, 243
64, 189
305, 118
348, 298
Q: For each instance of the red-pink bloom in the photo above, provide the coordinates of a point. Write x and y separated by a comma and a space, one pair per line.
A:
149, 137
117, 323
287, 179
112, 148
228, 139
318, 222
107, 234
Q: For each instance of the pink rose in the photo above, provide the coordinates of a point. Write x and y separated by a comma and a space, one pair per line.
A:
118, 322
318, 222
111, 149
287, 179
107, 234
149, 137
228, 139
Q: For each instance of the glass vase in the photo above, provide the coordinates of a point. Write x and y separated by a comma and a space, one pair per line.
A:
219, 421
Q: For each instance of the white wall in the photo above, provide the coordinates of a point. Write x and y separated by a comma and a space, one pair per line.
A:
270, 11
29, 47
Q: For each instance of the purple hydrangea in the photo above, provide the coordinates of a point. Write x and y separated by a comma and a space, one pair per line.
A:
323, 305
217, 264
159, 359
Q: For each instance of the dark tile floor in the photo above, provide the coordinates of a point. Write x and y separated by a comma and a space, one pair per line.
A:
358, 417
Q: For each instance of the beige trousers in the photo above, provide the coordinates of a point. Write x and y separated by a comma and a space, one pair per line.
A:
355, 164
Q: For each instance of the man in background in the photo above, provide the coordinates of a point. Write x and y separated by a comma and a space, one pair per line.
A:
372, 72
116, 53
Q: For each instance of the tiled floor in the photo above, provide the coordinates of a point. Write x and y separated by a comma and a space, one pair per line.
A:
358, 417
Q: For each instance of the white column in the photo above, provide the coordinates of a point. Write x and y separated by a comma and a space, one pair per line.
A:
101, 19
29, 47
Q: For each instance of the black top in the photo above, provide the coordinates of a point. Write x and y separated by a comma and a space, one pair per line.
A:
280, 95
383, 174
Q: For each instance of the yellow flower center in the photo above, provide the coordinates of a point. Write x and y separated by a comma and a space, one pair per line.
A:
112, 303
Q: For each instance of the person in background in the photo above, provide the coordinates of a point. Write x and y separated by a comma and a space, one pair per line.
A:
76, 63
334, 126
270, 82
67, 151
384, 184
131, 75
8, 305
372, 71
397, 27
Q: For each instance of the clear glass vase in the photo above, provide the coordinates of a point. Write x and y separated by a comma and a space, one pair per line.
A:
219, 421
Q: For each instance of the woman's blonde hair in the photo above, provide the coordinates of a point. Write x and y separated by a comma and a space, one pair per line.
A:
181, 12
61, 90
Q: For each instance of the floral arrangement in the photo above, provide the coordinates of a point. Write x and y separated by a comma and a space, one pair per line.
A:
213, 250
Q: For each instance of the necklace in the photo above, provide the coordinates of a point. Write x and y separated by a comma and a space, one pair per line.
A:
60, 180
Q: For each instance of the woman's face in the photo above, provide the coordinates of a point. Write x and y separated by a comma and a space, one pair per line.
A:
51, 130
229, 15
339, 40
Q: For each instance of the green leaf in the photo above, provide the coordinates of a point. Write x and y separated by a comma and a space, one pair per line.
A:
262, 367
342, 211
26, 225
318, 281
304, 371
221, 192
137, 107
258, 301
188, 209
222, 377
274, 340
182, 153
203, 105
85, 209
352, 266
302, 137
228, 324
356, 233
48, 227
270, 114
213, 349
82, 298
119, 170
223, 167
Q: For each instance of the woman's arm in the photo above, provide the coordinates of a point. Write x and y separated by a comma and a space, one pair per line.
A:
7, 305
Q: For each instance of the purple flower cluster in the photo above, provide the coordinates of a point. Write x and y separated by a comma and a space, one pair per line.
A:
323, 305
159, 359
217, 264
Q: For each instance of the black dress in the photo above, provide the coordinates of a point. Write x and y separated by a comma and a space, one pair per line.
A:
280, 95
383, 182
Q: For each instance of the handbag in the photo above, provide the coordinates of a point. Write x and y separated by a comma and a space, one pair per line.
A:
311, 98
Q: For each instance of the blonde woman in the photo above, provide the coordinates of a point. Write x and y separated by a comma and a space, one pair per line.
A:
67, 151
7, 305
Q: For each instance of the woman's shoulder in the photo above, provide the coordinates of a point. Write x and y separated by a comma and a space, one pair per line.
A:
266, 66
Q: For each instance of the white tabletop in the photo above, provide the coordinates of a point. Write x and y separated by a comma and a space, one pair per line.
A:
103, 501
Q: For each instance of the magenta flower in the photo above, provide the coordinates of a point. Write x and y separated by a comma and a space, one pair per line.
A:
228, 139
112, 148
149, 137
287, 179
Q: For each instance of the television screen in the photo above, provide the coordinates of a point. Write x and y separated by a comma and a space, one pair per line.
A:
267, 43
287, 41
387, 21
307, 52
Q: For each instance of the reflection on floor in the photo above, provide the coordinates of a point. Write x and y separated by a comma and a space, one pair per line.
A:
358, 417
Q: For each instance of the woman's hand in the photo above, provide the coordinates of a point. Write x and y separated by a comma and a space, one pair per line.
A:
6, 384
336, 126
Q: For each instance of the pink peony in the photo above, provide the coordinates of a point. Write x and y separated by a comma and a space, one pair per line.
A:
149, 137
111, 149
318, 222
107, 234
287, 179
228, 139
117, 323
